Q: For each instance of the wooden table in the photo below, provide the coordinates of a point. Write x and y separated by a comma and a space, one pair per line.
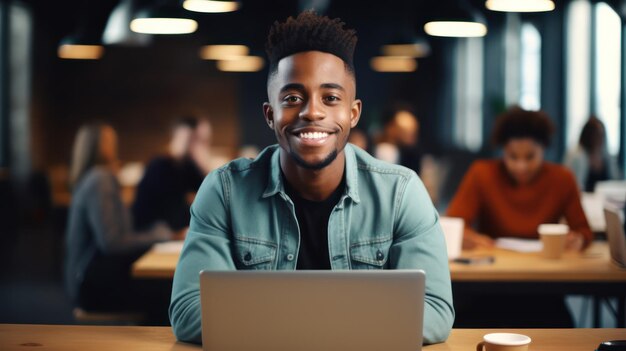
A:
68, 338
592, 266
590, 273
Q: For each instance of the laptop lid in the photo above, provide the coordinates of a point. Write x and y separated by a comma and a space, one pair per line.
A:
312, 310
615, 236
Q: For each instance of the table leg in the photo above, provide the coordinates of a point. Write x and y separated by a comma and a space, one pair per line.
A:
597, 311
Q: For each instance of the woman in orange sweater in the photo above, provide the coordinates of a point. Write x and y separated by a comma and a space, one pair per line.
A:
512, 196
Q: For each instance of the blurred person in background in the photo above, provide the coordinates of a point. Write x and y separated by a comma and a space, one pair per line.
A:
358, 137
512, 195
100, 242
590, 160
398, 141
170, 182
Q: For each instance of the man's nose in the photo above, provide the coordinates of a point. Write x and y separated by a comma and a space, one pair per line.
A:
313, 110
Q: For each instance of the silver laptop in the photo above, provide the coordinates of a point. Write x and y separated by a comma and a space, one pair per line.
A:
615, 236
312, 310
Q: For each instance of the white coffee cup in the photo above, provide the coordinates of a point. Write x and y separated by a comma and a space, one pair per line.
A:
553, 239
504, 342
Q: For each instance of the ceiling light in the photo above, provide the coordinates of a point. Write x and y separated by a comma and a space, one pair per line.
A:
241, 64
223, 52
393, 64
211, 6
455, 29
163, 25
163, 18
520, 5
459, 19
412, 50
80, 52
80, 46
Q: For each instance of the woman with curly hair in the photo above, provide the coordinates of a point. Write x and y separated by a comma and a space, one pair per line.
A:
512, 195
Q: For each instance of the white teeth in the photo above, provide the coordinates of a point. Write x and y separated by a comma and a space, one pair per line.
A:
313, 135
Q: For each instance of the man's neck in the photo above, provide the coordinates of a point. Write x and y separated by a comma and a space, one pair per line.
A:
314, 185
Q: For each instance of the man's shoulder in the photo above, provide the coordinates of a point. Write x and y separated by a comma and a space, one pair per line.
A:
369, 164
159, 165
245, 165
161, 160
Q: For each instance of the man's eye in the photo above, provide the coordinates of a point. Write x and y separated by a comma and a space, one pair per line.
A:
291, 99
332, 98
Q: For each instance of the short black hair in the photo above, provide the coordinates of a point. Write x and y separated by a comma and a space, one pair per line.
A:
310, 32
186, 122
518, 123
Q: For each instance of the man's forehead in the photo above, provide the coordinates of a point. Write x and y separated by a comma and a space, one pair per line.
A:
313, 65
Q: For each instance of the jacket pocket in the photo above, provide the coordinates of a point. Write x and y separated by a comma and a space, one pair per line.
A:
371, 253
252, 253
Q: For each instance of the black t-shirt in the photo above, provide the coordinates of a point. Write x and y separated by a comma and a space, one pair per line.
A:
313, 222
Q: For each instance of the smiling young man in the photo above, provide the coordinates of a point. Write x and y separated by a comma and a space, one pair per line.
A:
313, 201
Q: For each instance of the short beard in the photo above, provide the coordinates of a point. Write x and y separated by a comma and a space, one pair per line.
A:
314, 166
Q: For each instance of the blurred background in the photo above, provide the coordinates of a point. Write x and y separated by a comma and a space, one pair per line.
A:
65, 63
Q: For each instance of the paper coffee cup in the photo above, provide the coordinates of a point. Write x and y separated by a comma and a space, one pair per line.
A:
553, 239
504, 342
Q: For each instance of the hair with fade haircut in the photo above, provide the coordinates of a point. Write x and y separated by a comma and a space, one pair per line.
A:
310, 32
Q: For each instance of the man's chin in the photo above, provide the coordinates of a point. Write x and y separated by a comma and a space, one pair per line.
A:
314, 165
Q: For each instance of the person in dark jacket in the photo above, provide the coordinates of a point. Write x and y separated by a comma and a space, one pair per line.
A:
170, 181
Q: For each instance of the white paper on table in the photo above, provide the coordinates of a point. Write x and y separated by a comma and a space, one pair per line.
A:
593, 205
519, 245
169, 246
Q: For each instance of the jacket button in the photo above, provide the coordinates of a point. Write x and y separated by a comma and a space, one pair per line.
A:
247, 257
380, 255
290, 257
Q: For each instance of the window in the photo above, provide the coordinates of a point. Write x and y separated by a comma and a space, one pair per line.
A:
468, 111
607, 72
530, 94
604, 77
578, 73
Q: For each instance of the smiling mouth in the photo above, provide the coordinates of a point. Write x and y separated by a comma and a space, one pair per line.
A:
313, 135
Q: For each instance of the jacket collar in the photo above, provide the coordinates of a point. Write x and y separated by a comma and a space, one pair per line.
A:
275, 183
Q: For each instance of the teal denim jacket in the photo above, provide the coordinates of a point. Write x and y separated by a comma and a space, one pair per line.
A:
243, 219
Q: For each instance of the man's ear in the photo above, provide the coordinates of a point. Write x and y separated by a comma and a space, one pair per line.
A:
268, 112
355, 112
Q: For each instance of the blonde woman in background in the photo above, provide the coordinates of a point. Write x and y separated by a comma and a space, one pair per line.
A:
100, 242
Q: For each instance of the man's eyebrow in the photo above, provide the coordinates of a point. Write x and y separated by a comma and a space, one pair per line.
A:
300, 87
292, 86
332, 86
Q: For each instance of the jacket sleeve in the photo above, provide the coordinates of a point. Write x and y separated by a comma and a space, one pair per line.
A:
207, 247
110, 218
419, 244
